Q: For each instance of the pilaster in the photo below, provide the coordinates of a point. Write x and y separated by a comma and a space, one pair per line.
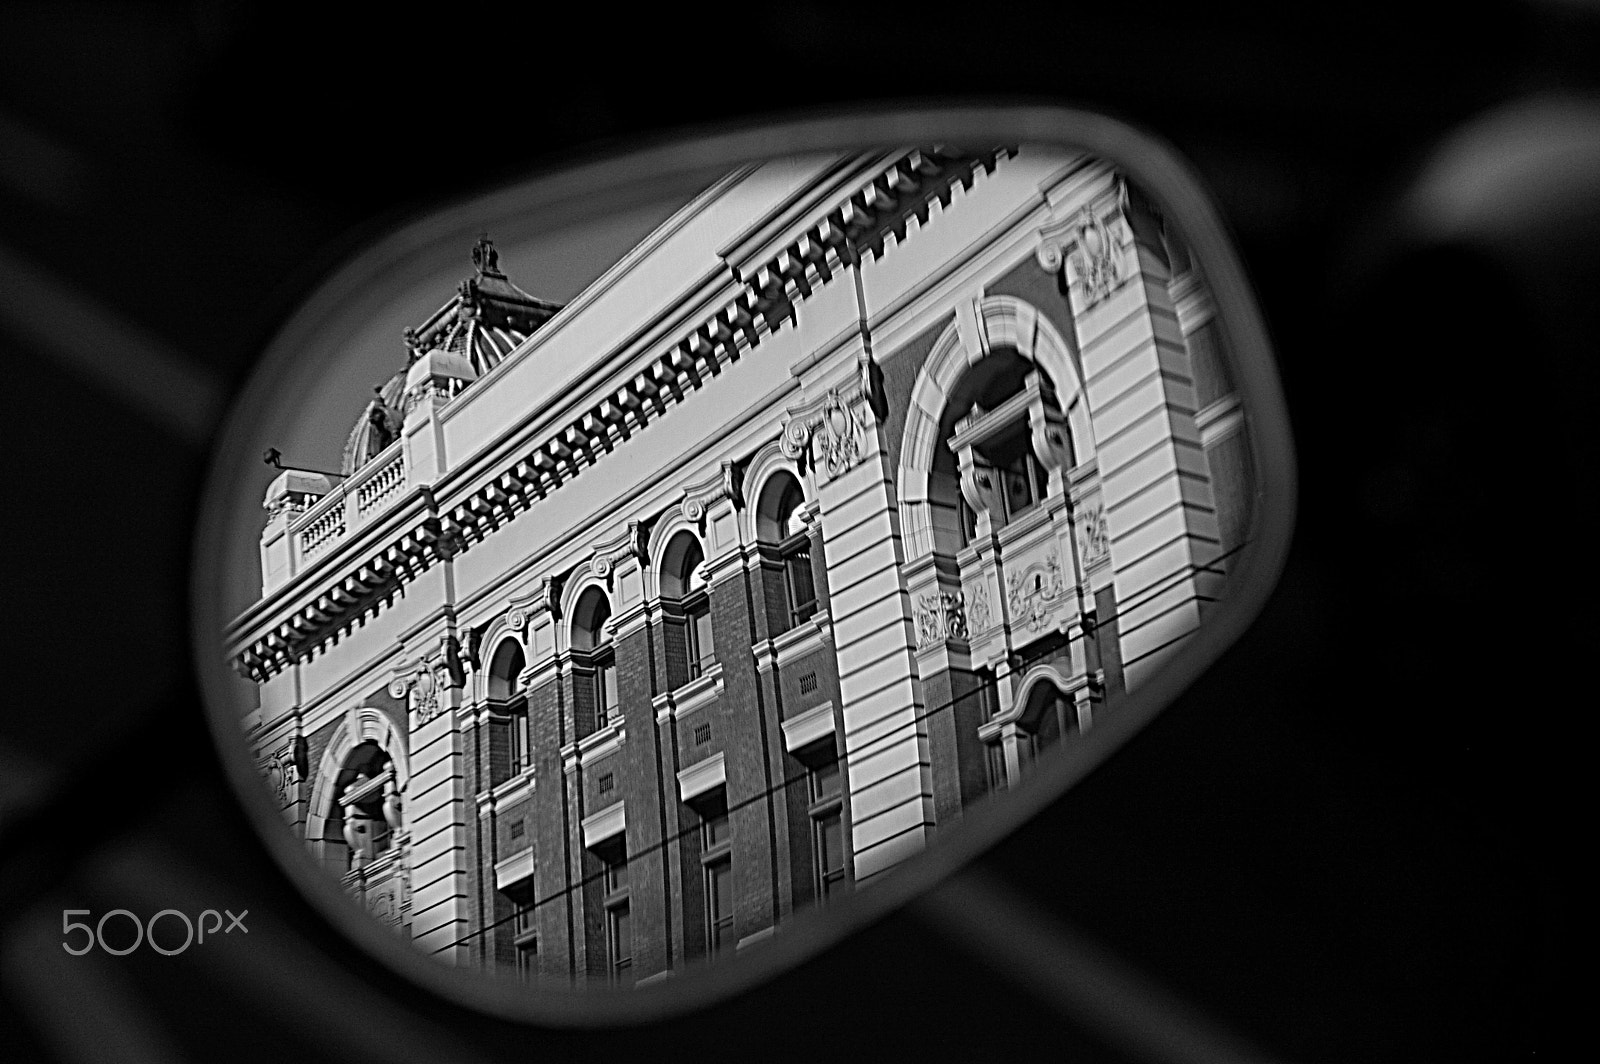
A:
889, 774
436, 815
1160, 517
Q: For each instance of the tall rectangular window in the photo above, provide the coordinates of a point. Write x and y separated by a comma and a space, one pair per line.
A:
619, 928
829, 857
716, 865
605, 689
524, 929
527, 959
995, 761
619, 943
702, 646
520, 740
798, 580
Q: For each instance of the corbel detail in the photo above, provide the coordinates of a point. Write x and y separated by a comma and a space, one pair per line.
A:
726, 483
630, 543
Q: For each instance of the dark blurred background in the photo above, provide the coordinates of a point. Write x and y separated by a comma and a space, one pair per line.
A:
1352, 840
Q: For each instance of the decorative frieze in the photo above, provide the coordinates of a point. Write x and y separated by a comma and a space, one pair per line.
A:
1094, 539
940, 615
1034, 591
979, 612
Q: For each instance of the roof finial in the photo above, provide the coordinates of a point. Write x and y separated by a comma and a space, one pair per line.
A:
484, 255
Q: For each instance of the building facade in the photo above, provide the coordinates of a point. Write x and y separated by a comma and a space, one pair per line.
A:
635, 625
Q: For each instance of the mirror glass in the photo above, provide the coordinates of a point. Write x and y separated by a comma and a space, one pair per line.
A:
612, 576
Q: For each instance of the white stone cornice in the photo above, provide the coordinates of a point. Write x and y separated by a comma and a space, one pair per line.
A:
357, 569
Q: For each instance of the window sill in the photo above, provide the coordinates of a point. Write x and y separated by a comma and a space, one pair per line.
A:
802, 639
598, 744
690, 697
512, 789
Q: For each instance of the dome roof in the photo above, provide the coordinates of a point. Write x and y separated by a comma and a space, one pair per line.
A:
487, 318
378, 426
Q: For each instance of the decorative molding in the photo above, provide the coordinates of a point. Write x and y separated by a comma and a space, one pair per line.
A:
808, 727
691, 697
726, 483
605, 824
940, 615
283, 631
1086, 247
423, 685
629, 543
1034, 590
797, 642
545, 598
283, 772
596, 746
979, 613
514, 869
702, 777
829, 424
1094, 538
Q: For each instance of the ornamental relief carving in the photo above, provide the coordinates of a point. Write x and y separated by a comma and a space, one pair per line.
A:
424, 689
1032, 592
1089, 251
282, 774
940, 616
727, 483
830, 434
979, 612
1094, 539
608, 555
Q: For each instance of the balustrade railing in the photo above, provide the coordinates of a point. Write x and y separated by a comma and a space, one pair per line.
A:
353, 503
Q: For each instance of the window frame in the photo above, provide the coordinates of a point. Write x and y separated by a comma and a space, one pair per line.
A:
618, 912
716, 857
795, 550
823, 807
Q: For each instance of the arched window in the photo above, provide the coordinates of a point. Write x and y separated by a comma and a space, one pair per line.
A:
1000, 411
781, 523
595, 659
506, 698
366, 804
684, 591
1048, 718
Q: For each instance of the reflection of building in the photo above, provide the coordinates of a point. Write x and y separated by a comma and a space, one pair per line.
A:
638, 624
